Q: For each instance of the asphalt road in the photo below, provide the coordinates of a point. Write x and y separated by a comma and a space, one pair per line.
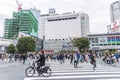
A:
12, 71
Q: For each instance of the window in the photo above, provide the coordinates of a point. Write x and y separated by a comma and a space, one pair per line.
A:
62, 19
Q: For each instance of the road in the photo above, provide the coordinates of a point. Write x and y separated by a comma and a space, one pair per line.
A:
84, 71
12, 71
66, 71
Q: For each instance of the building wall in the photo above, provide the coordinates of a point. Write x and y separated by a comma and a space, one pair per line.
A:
58, 44
41, 28
85, 25
64, 25
115, 11
3, 44
104, 41
9, 29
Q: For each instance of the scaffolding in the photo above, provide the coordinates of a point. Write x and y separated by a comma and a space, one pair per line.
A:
23, 21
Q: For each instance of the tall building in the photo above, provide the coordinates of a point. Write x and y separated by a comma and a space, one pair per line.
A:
36, 13
114, 27
23, 21
84, 25
9, 30
115, 11
64, 25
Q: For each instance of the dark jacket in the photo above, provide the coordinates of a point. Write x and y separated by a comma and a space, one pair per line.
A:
41, 60
93, 59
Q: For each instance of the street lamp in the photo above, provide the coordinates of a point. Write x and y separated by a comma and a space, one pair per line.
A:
70, 38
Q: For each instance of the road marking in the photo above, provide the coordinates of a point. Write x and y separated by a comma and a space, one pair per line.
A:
105, 79
73, 77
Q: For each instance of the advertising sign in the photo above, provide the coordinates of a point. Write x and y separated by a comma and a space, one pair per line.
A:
102, 40
115, 25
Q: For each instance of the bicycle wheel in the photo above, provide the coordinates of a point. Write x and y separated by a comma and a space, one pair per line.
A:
30, 71
103, 63
47, 72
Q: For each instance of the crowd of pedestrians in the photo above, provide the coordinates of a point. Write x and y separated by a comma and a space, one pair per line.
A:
13, 57
74, 57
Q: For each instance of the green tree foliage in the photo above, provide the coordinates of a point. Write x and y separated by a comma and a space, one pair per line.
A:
26, 44
82, 43
11, 49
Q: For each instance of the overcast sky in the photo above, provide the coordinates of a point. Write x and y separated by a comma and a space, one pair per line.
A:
97, 10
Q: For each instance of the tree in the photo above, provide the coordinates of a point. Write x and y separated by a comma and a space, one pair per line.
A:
82, 43
26, 44
11, 49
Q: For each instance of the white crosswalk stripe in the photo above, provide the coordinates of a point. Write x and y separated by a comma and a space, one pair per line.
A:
84, 71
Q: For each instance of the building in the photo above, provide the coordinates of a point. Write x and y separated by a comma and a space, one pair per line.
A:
115, 11
3, 44
9, 30
52, 11
114, 27
56, 45
64, 25
104, 41
23, 21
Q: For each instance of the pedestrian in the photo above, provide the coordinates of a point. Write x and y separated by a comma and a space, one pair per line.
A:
76, 59
86, 58
10, 58
93, 61
71, 58
23, 58
61, 58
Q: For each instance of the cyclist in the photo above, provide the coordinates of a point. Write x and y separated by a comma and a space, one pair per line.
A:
107, 58
113, 58
41, 61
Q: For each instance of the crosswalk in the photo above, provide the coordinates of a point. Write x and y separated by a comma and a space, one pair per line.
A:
84, 71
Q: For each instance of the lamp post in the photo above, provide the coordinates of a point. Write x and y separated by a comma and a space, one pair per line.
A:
43, 42
71, 43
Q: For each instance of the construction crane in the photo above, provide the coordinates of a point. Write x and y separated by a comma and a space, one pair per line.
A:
19, 5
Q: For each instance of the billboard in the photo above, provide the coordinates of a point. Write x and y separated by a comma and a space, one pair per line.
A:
115, 25
102, 40
113, 39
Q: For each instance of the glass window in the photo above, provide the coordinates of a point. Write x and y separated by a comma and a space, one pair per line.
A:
116, 14
115, 5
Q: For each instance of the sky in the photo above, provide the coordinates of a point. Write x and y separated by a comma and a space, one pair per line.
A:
97, 10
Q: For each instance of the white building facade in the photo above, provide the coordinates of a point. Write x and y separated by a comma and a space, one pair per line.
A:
65, 25
56, 45
3, 44
58, 29
104, 41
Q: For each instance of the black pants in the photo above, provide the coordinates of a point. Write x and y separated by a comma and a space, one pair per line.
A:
75, 63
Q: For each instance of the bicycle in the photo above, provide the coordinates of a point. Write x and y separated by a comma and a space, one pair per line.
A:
110, 62
45, 71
